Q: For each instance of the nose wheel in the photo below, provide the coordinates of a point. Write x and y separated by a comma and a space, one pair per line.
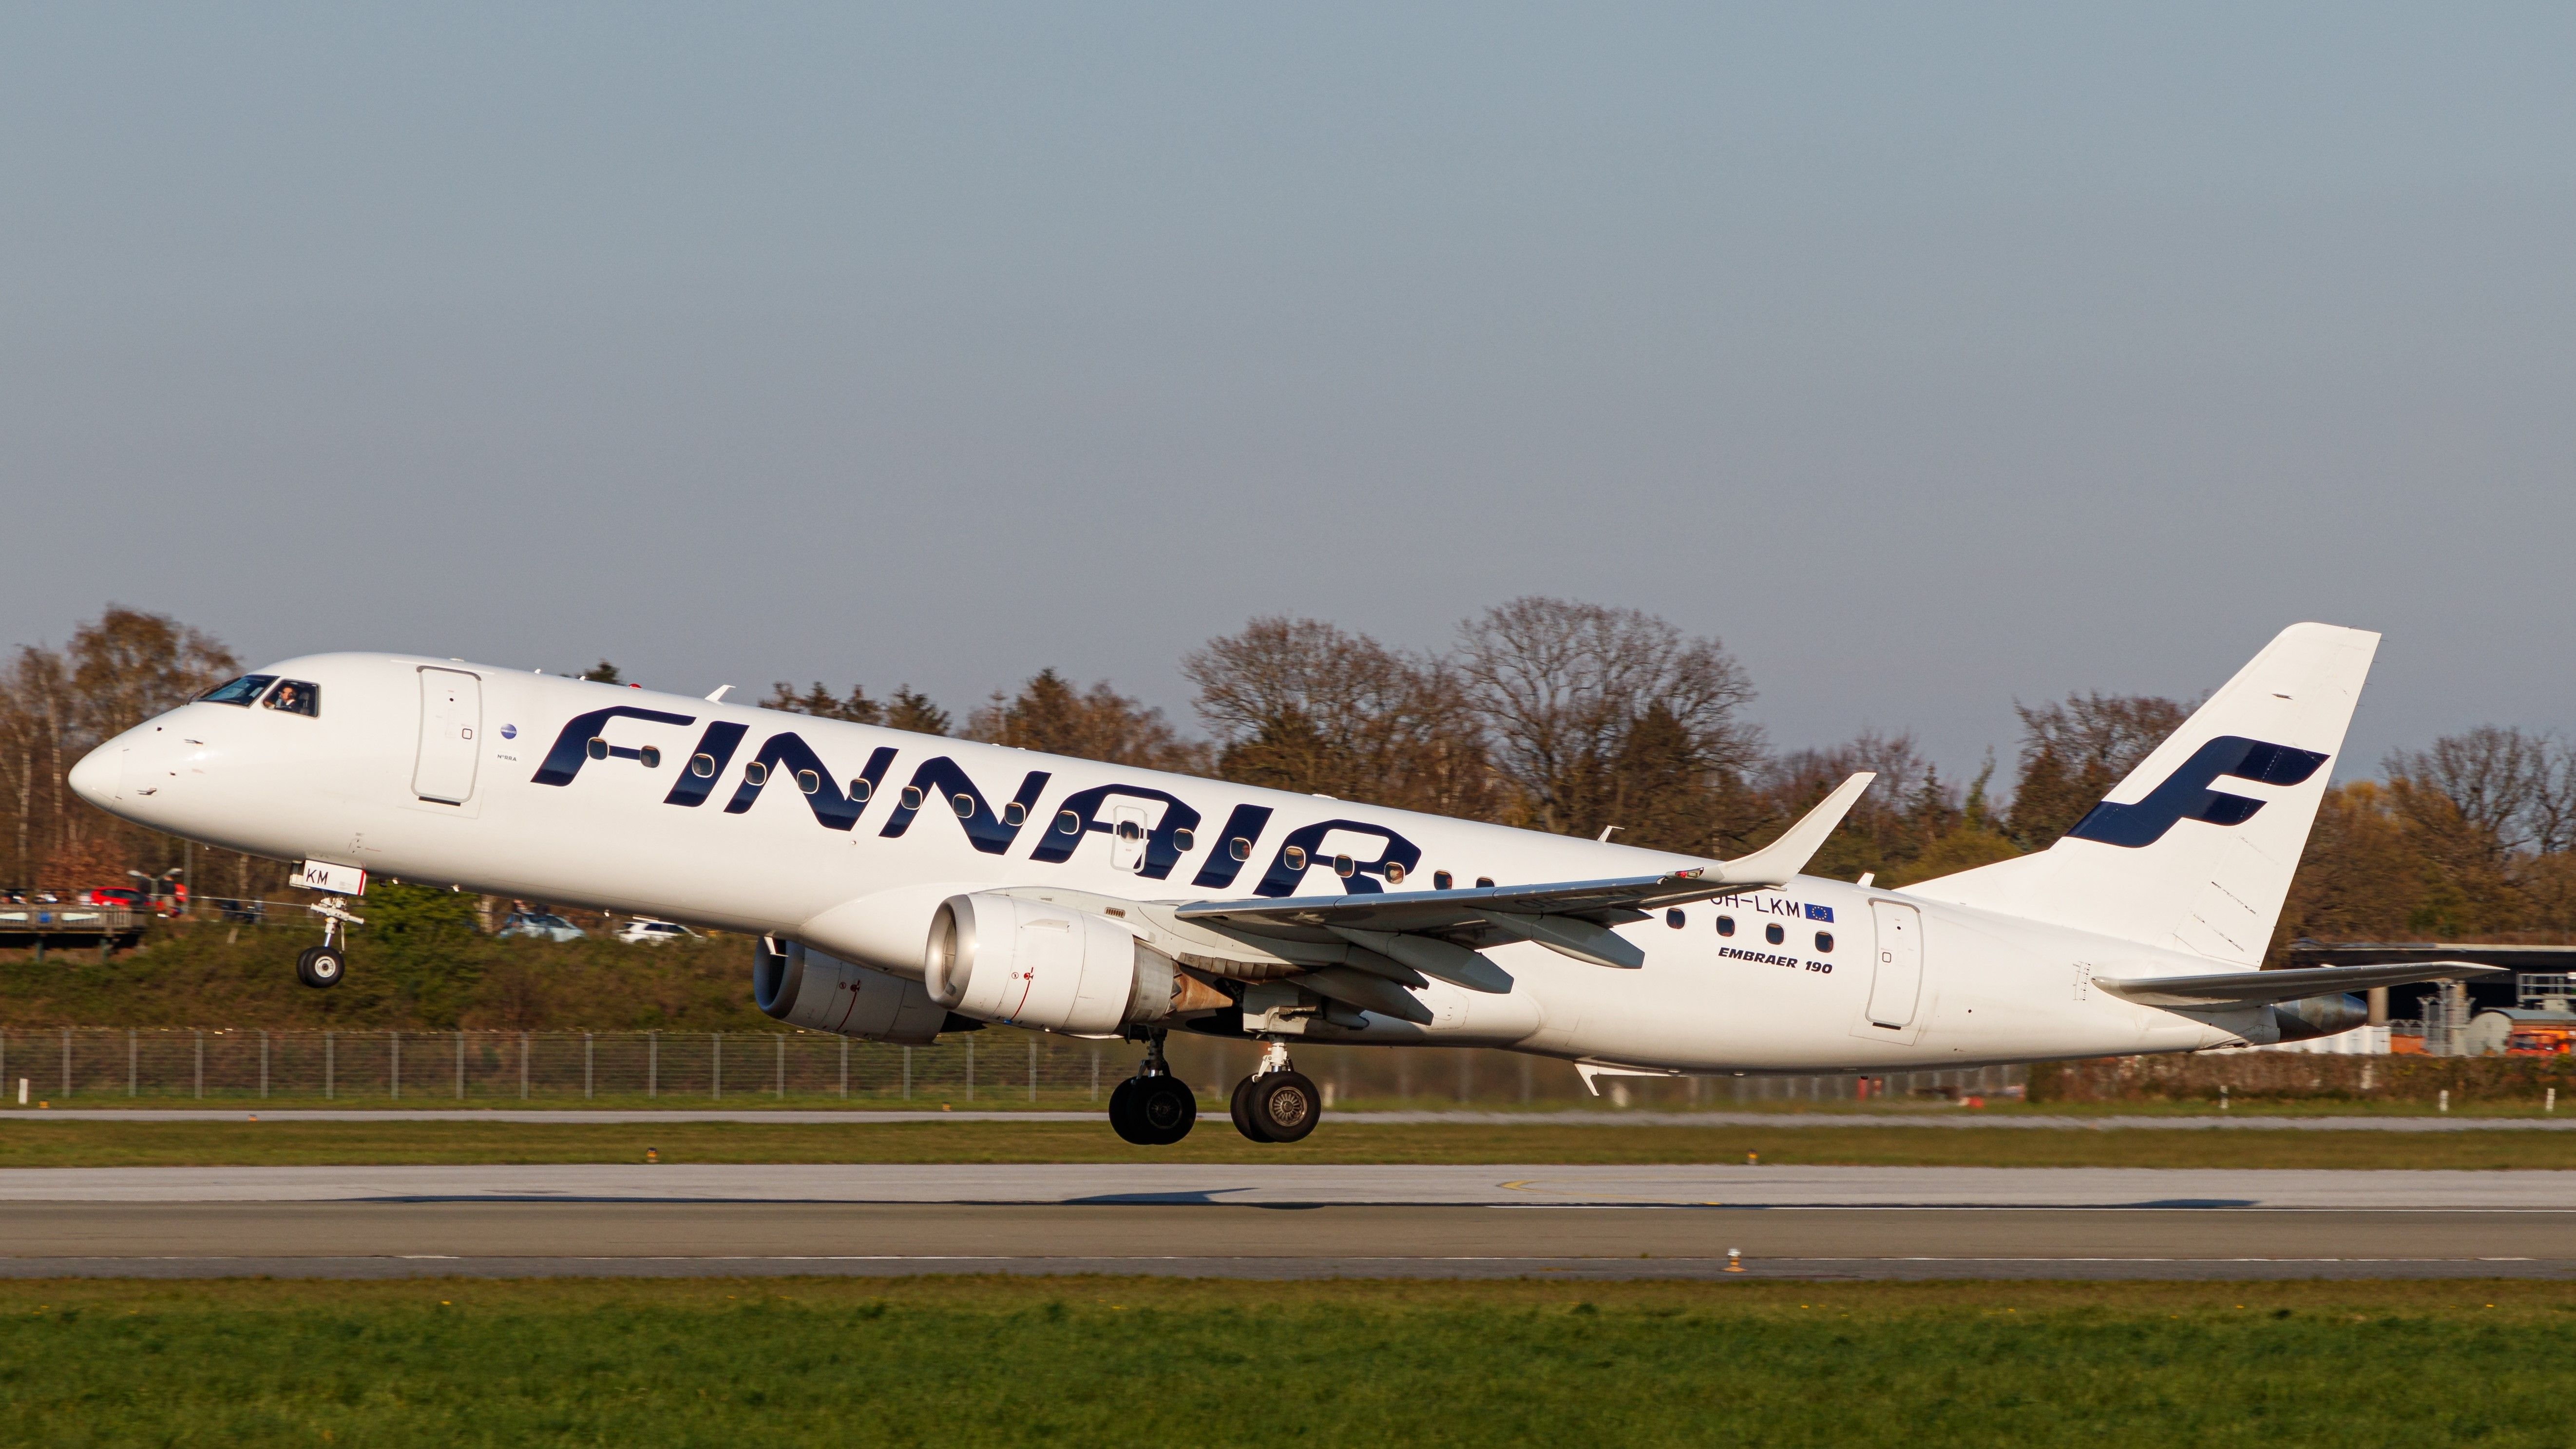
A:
1153, 1108
324, 965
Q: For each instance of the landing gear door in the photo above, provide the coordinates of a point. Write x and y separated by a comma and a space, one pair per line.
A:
1896, 970
451, 725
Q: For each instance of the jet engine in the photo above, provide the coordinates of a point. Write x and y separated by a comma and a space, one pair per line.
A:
1032, 963
2315, 1016
806, 988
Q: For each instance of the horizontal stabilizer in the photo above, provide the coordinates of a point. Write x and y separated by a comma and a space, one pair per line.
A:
2253, 988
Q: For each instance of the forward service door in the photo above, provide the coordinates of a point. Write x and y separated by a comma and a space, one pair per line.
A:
1127, 843
451, 716
1896, 978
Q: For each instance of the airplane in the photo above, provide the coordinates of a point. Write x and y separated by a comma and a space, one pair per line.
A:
903, 885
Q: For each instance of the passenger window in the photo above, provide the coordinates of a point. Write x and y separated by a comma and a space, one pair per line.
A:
240, 691
1726, 925
1184, 842
964, 805
1484, 882
702, 765
1395, 872
1773, 934
295, 696
1825, 942
1239, 848
1015, 814
650, 756
1068, 823
754, 773
597, 749
912, 797
1295, 855
1344, 866
809, 782
1441, 880
1676, 919
860, 789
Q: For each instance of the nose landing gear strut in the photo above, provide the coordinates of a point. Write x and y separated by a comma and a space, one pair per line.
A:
324, 965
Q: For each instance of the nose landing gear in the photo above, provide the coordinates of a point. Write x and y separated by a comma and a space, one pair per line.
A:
1277, 1103
324, 965
1153, 1108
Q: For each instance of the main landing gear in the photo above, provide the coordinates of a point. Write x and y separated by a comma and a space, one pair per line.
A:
1153, 1108
324, 965
1277, 1103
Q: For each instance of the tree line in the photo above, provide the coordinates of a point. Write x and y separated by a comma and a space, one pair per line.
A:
1548, 714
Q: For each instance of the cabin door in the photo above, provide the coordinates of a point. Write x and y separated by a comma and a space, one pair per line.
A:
1896, 978
451, 716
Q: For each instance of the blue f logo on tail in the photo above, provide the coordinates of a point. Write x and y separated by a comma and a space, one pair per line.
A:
2186, 793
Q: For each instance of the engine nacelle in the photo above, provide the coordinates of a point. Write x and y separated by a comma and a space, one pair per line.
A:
2316, 1016
806, 988
1033, 963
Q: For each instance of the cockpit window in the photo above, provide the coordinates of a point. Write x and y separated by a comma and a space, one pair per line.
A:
241, 691
296, 696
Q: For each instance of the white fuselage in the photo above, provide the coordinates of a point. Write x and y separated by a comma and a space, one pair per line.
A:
347, 785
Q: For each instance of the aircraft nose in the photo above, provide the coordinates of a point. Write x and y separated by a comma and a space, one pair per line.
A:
94, 778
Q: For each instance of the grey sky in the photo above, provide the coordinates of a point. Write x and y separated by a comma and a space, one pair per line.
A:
1930, 356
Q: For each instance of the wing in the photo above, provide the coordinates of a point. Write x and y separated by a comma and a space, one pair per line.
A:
2253, 988
1439, 932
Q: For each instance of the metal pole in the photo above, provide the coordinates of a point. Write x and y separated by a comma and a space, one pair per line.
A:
460, 1066
201, 1065
523, 1066
129, 1062
263, 1066
67, 1061
652, 1064
782, 1066
587, 1063
393, 1053
970, 1069
330, 1087
715, 1072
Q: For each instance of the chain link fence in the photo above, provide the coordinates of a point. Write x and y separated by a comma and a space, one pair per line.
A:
997, 1068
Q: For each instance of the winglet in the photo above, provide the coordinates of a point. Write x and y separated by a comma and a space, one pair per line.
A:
1775, 864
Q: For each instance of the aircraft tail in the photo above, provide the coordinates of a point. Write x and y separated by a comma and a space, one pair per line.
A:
2195, 849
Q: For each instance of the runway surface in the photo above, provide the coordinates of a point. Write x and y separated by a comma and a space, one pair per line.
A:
860, 1117
1263, 1221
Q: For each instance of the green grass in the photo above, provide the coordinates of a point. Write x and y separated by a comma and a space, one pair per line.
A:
1155, 1362
65, 1142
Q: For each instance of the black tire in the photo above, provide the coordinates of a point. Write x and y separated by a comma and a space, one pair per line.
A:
1284, 1105
1165, 1109
1122, 1113
1239, 1107
323, 966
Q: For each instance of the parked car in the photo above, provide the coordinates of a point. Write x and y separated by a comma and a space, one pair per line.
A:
115, 898
542, 925
644, 931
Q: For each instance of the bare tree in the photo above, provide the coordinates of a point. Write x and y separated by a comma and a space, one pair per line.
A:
2500, 780
1592, 713
2073, 753
1297, 704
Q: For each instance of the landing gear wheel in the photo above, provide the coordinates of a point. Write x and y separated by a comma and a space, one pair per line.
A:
1284, 1106
1122, 1113
321, 966
1165, 1108
1240, 1108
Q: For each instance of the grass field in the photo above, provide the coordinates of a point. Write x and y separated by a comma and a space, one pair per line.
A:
1157, 1362
62, 1142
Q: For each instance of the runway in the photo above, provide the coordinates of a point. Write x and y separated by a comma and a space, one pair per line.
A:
1284, 1222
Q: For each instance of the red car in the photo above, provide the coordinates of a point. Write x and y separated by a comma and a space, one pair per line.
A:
115, 898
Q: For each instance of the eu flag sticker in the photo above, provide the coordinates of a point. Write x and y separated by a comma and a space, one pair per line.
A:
1820, 913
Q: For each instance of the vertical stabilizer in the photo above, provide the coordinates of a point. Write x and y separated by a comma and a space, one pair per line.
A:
2195, 849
